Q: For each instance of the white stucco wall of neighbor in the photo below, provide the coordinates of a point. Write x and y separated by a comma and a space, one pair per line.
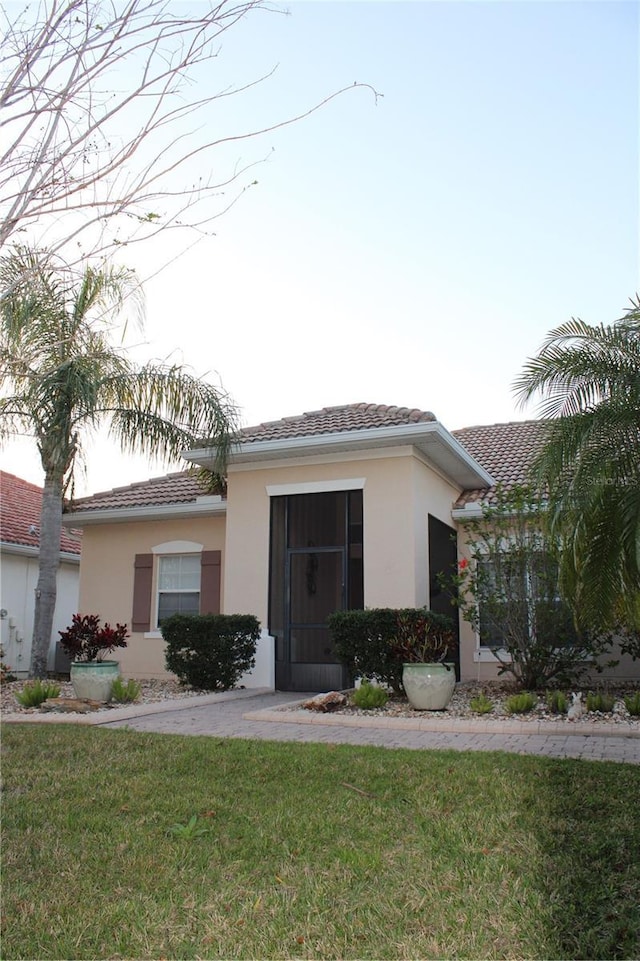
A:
18, 579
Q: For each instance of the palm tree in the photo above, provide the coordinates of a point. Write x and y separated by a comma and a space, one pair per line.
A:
589, 381
62, 378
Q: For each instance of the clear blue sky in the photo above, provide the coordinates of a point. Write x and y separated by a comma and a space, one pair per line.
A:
414, 251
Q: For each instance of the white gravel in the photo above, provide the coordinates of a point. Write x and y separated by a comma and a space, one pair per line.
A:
151, 692
497, 692
156, 691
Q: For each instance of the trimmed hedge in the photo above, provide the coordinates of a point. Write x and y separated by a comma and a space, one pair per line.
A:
367, 641
210, 651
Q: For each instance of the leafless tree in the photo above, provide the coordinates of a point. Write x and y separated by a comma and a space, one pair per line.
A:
97, 99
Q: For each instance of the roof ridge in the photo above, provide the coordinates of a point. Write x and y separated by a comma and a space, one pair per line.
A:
504, 423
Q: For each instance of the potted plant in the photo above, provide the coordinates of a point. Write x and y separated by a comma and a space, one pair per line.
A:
86, 643
424, 642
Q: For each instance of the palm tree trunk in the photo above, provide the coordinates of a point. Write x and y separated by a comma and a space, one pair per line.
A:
45, 604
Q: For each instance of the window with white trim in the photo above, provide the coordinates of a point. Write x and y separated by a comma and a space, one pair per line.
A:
178, 585
524, 601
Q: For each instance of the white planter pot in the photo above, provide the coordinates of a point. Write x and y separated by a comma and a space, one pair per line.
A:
429, 687
93, 680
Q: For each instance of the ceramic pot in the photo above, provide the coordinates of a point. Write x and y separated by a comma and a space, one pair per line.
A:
429, 687
93, 679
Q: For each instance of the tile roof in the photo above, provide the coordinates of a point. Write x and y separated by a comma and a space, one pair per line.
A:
335, 420
505, 450
20, 506
182, 487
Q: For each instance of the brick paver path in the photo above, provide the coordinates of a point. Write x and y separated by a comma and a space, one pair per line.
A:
224, 718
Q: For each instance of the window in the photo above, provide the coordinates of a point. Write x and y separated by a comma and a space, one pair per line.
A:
179, 577
518, 599
178, 585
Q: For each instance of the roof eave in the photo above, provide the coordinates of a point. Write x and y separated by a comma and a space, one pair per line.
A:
28, 550
151, 512
435, 442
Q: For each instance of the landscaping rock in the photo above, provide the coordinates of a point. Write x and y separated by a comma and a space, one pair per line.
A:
324, 703
70, 705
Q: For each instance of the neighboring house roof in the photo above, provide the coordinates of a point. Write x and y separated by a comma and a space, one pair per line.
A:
503, 450
20, 506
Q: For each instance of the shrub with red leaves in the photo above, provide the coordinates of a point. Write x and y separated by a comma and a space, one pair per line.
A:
85, 640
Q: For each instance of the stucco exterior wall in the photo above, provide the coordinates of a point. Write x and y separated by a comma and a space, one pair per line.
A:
18, 579
399, 491
106, 578
434, 495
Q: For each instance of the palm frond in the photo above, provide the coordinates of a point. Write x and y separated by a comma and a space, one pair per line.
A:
588, 378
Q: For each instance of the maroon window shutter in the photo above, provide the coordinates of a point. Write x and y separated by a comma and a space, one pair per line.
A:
143, 572
210, 582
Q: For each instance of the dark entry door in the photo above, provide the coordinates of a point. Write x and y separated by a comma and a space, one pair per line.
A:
315, 568
443, 560
316, 588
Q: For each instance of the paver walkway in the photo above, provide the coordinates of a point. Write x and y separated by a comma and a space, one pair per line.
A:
229, 715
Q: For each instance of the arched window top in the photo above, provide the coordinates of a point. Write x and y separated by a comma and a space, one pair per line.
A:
178, 547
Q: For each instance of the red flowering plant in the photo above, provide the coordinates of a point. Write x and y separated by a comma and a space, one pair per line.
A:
85, 640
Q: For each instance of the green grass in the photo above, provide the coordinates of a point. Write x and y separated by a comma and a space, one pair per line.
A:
310, 851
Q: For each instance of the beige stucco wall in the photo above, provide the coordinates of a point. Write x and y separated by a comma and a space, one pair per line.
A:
435, 495
399, 492
106, 578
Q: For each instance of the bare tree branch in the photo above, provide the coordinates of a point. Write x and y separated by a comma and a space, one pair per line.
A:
93, 99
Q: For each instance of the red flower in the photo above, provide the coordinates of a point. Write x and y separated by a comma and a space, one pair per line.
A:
463, 564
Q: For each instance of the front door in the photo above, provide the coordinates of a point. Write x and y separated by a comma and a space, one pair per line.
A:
315, 569
316, 589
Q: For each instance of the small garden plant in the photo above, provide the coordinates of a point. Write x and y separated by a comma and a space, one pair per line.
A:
601, 702
369, 696
5, 670
632, 704
125, 692
557, 702
481, 704
195, 827
35, 693
520, 703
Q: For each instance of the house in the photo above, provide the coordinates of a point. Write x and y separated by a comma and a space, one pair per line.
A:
20, 505
353, 506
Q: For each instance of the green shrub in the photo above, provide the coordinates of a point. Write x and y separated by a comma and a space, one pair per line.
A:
210, 651
557, 702
481, 704
601, 702
125, 693
34, 693
369, 696
366, 641
520, 703
632, 704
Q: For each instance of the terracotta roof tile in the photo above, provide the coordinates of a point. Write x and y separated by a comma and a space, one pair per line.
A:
505, 450
182, 487
20, 506
335, 420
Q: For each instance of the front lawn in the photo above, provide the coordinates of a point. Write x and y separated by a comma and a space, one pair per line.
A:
310, 851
